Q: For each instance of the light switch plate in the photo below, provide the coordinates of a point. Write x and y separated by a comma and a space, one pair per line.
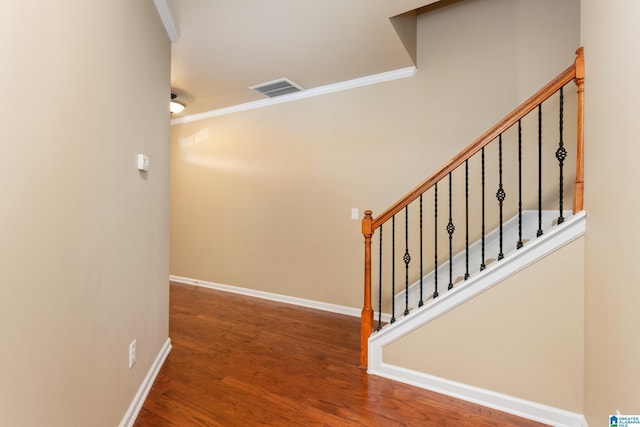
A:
132, 354
143, 163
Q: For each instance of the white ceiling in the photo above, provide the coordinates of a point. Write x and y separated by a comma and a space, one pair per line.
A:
225, 46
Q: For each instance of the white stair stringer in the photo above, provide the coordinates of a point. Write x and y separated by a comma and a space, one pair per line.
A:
492, 248
557, 237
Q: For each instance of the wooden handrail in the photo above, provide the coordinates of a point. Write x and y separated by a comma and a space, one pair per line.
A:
504, 124
369, 224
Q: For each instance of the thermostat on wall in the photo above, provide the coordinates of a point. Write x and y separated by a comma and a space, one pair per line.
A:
143, 163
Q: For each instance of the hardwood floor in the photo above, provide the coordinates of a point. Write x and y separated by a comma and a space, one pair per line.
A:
240, 361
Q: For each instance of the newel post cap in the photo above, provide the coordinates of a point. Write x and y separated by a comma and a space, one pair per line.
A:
366, 223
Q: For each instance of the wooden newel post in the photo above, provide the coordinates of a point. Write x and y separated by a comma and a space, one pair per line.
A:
578, 186
366, 319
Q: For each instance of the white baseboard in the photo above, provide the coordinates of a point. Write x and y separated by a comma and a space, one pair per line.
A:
334, 308
501, 402
138, 400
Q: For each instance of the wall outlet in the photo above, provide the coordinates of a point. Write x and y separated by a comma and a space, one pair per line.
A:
132, 354
355, 214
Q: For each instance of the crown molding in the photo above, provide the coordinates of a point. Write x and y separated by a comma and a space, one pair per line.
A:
167, 20
308, 93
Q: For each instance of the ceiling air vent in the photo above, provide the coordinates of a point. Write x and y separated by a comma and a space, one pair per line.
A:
276, 88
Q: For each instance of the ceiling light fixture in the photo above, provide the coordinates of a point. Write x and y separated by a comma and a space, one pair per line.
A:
176, 106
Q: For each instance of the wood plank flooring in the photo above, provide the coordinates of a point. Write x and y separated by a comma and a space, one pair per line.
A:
240, 361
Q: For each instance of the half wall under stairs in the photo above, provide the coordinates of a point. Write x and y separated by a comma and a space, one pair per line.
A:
514, 342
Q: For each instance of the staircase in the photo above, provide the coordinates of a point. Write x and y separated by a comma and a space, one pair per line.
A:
555, 237
479, 285
424, 228
492, 241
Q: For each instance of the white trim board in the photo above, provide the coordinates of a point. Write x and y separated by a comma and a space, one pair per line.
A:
167, 20
495, 273
501, 402
526, 223
307, 93
138, 400
324, 306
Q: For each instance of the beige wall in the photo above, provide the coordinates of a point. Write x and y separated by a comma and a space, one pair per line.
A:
610, 35
523, 337
262, 199
84, 237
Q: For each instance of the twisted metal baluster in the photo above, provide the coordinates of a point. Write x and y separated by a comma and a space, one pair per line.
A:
519, 244
380, 286
561, 154
435, 240
407, 259
393, 269
421, 302
500, 194
450, 229
539, 232
482, 264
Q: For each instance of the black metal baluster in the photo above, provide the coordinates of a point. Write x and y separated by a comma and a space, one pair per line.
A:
482, 264
380, 286
450, 229
435, 240
540, 232
466, 207
393, 269
519, 244
421, 302
407, 259
500, 194
561, 154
